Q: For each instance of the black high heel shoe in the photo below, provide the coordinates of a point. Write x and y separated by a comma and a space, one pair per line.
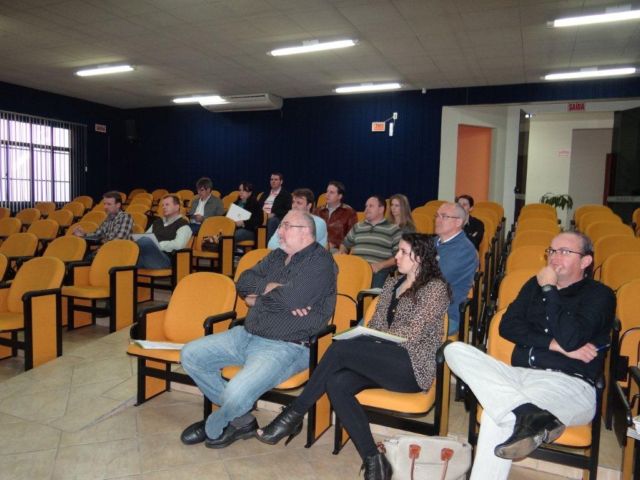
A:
287, 423
377, 467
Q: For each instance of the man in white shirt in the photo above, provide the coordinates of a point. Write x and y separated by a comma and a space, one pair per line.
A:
303, 201
276, 204
172, 232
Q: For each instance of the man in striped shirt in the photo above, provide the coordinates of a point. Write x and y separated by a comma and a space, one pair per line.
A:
375, 240
292, 295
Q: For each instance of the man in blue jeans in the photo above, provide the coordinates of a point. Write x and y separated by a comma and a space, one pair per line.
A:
292, 295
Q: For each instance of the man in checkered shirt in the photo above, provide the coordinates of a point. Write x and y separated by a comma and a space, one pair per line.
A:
118, 224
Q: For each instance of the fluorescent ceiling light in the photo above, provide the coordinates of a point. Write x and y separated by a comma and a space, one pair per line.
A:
202, 100
212, 100
90, 72
313, 46
601, 18
368, 87
591, 73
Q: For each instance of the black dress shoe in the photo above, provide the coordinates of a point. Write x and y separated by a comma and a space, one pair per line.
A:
377, 467
288, 423
194, 433
529, 432
231, 434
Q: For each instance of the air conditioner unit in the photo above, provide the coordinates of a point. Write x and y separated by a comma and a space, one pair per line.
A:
247, 103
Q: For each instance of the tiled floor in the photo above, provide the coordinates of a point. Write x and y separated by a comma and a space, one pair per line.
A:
74, 418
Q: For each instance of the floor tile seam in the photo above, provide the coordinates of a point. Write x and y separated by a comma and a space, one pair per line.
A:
144, 407
105, 416
101, 442
173, 467
102, 380
52, 465
26, 452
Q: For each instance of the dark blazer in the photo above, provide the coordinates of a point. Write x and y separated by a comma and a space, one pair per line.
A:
475, 231
256, 219
212, 208
281, 205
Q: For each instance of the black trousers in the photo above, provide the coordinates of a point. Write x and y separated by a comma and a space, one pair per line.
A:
350, 366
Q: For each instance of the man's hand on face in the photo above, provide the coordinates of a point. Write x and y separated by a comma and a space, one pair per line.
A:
585, 353
547, 276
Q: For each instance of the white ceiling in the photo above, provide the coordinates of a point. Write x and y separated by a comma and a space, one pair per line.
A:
184, 47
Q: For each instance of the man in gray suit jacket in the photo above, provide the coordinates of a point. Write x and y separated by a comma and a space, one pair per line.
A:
205, 205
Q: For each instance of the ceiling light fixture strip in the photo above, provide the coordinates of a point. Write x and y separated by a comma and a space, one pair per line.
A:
595, 73
619, 16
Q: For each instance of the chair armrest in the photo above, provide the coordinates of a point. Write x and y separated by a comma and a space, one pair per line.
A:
362, 294
152, 308
440, 352
237, 322
78, 263
40, 293
213, 319
138, 330
625, 404
20, 260
326, 330
634, 374
122, 268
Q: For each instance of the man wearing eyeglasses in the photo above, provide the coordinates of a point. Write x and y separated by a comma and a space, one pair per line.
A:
292, 295
457, 257
303, 201
205, 205
560, 324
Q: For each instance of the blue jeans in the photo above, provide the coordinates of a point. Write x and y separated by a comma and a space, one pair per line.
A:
243, 234
378, 279
265, 364
151, 256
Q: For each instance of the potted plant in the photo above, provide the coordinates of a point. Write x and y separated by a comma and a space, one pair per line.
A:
561, 201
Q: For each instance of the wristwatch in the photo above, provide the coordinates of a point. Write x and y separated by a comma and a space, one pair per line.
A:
547, 288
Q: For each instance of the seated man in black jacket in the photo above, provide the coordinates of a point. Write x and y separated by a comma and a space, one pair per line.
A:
276, 204
561, 324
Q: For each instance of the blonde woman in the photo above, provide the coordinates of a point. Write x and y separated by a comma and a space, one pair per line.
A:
400, 213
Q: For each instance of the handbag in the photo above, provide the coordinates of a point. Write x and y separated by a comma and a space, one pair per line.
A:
417, 458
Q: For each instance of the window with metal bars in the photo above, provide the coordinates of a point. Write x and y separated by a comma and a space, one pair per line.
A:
41, 159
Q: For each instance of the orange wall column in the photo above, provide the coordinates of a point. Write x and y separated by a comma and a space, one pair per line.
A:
473, 164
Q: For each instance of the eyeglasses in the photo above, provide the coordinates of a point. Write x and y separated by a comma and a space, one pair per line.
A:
563, 252
442, 216
287, 226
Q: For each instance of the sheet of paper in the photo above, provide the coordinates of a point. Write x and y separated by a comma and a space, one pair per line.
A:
361, 331
137, 236
150, 345
237, 213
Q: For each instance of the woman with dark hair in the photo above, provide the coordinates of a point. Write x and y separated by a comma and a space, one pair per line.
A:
411, 306
246, 229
